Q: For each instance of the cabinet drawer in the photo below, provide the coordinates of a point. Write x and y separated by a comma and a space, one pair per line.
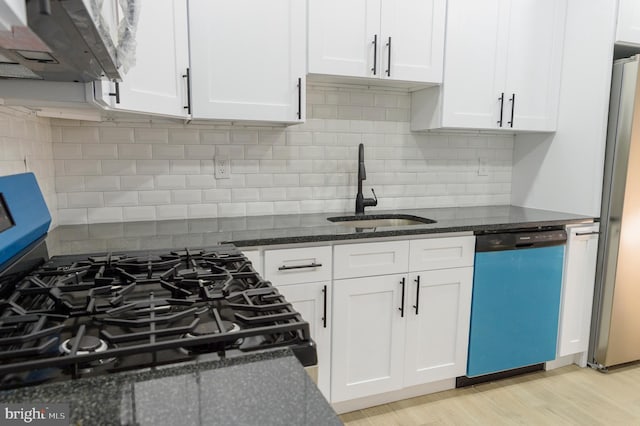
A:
441, 253
362, 260
297, 265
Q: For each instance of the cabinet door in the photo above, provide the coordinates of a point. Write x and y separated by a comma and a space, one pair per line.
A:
156, 83
248, 59
438, 315
341, 37
473, 76
368, 336
415, 31
534, 62
628, 29
577, 289
311, 300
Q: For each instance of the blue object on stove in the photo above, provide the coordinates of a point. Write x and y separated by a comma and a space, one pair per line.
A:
24, 216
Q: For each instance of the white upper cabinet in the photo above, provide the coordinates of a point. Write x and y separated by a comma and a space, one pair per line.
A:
13, 13
628, 29
399, 40
248, 59
502, 68
412, 45
157, 83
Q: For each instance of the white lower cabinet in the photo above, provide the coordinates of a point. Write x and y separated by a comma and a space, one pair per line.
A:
437, 330
577, 289
368, 337
303, 276
311, 300
400, 330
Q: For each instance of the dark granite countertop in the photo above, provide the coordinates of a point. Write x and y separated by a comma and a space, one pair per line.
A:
288, 229
268, 388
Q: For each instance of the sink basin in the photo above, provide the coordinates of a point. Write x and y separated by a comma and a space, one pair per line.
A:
380, 220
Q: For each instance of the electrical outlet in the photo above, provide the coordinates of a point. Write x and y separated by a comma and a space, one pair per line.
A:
483, 167
222, 168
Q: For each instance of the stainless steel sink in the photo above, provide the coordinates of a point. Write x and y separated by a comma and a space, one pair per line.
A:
380, 220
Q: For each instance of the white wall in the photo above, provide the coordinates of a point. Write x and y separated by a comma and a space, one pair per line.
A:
26, 146
154, 169
563, 171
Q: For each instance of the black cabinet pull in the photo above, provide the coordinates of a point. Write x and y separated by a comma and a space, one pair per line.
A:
501, 99
188, 77
116, 93
45, 7
513, 104
578, 234
417, 280
375, 54
389, 58
299, 98
311, 265
401, 308
324, 307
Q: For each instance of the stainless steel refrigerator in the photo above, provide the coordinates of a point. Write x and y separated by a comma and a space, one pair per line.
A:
615, 331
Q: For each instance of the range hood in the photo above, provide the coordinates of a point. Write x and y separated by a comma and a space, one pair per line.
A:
70, 40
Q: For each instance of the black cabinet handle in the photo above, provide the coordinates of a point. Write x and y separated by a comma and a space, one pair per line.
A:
299, 98
45, 7
579, 234
401, 308
501, 99
389, 58
116, 93
324, 307
188, 77
417, 280
311, 265
513, 104
375, 54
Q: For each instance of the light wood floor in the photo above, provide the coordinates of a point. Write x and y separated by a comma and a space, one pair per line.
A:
566, 396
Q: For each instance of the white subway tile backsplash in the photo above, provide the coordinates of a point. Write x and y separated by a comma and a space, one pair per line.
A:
119, 167
216, 195
152, 198
170, 182
139, 213
80, 135
70, 184
200, 181
66, 151
85, 199
135, 151
72, 216
102, 183
152, 167
186, 196
116, 135
167, 152
104, 214
164, 169
202, 210
145, 135
100, 151
137, 183
80, 168
245, 194
121, 198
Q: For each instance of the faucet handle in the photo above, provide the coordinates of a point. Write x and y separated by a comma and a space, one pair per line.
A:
375, 199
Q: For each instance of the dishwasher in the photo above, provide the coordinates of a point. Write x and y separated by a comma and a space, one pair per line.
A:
516, 302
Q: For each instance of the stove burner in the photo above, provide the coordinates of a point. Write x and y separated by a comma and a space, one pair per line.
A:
88, 344
212, 328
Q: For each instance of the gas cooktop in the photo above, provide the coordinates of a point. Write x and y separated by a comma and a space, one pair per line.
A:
75, 316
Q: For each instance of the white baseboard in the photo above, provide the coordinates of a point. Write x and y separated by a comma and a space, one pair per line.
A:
580, 359
383, 398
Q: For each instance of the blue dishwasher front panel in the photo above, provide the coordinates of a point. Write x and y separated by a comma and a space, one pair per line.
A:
515, 308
